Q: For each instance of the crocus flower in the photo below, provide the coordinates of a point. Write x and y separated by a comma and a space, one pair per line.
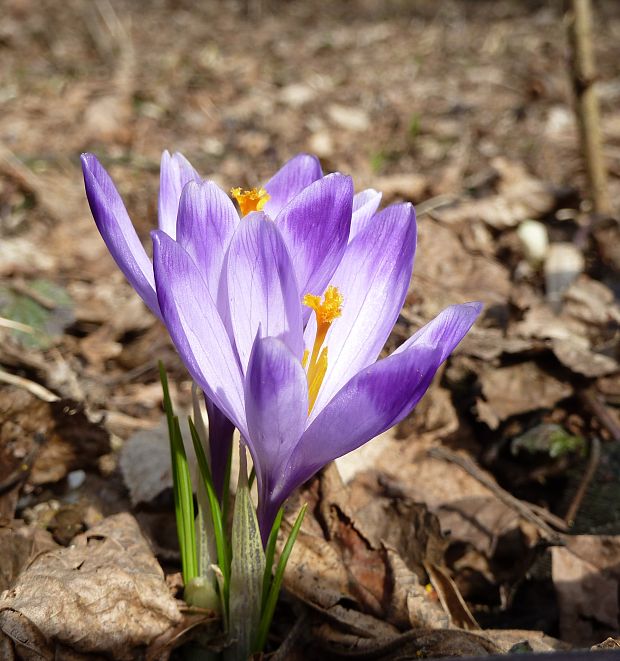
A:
302, 397
316, 215
280, 316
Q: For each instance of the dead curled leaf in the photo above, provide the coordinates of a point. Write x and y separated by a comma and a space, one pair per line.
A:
517, 389
19, 544
356, 566
586, 575
106, 594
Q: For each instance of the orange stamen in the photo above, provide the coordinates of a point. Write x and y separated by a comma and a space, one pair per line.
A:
250, 200
326, 311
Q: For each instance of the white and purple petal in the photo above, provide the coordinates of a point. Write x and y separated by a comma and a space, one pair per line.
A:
276, 404
174, 173
297, 173
378, 397
118, 231
315, 226
261, 287
373, 278
206, 222
196, 328
365, 205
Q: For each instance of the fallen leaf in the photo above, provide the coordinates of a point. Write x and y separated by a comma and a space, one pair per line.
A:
517, 389
586, 575
106, 594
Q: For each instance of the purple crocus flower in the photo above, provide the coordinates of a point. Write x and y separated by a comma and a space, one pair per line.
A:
204, 221
302, 397
238, 298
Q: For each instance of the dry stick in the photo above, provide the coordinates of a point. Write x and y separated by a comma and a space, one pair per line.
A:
523, 509
583, 73
600, 411
595, 456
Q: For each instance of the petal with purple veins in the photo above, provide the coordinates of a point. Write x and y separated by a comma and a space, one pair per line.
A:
373, 278
297, 173
174, 173
315, 226
206, 222
118, 231
261, 287
196, 328
365, 205
378, 397
276, 402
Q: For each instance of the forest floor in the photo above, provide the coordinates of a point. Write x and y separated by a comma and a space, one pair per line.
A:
489, 520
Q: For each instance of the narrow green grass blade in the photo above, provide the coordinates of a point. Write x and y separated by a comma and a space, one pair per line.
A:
184, 505
182, 486
272, 599
223, 556
270, 551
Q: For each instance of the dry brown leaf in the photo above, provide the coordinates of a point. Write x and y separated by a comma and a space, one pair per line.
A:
105, 594
519, 197
582, 360
19, 544
370, 554
445, 272
517, 389
74, 442
586, 575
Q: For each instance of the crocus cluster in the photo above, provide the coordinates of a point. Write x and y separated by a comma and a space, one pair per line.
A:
280, 312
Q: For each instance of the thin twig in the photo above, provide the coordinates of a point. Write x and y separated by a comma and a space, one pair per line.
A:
33, 388
586, 479
522, 508
583, 72
602, 413
16, 325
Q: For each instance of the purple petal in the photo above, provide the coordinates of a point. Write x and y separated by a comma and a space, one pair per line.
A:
220, 441
117, 230
276, 403
373, 279
262, 291
175, 172
290, 180
315, 226
365, 205
196, 328
206, 222
378, 397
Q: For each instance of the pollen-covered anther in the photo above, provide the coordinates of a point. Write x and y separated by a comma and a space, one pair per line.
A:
250, 200
326, 311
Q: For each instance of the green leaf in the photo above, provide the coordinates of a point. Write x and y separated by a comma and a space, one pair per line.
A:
270, 551
271, 601
46, 322
247, 571
223, 557
182, 488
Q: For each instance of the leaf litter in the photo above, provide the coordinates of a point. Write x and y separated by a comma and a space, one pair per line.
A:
487, 521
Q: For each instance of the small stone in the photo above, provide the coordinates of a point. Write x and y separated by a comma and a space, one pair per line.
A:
535, 241
353, 119
564, 263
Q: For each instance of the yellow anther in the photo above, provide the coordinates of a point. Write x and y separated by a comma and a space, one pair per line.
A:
326, 311
250, 200
329, 309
